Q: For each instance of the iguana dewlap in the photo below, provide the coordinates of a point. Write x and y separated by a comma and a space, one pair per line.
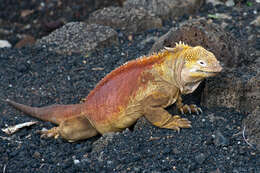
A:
142, 87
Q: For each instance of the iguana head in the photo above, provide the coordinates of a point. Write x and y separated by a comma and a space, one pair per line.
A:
199, 64
192, 65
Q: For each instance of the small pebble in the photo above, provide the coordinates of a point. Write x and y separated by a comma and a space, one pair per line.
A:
200, 158
4, 43
22, 68
76, 161
36, 155
230, 3
220, 139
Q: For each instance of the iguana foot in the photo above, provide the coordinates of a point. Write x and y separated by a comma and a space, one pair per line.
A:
53, 132
190, 109
176, 122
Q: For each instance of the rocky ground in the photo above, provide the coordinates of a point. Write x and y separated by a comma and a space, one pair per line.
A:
63, 65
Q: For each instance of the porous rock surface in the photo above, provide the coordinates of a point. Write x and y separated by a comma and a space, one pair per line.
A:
166, 9
194, 32
238, 88
127, 19
78, 37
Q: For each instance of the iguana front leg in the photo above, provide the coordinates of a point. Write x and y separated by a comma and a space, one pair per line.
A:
158, 116
187, 108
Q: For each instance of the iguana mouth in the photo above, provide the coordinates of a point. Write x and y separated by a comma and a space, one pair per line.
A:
209, 72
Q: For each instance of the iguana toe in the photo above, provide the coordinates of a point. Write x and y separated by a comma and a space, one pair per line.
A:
53, 132
190, 109
181, 122
177, 122
196, 109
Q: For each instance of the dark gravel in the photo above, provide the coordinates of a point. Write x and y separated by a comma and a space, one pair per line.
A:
39, 17
38, 77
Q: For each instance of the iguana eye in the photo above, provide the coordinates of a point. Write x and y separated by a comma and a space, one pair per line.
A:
202, 63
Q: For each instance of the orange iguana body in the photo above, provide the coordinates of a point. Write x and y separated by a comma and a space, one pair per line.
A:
142, 87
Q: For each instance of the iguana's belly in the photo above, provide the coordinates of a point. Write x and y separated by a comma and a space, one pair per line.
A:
127, 115
121, 120
134, 110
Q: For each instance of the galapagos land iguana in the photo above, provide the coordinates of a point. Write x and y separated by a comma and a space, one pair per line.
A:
141, 87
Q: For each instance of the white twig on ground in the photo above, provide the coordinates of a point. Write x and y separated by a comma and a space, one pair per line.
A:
245, 138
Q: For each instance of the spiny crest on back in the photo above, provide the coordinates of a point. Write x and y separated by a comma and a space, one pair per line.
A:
178, 47
139, 63
155, 57
181, 45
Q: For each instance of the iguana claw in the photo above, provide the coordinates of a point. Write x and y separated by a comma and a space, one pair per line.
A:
200, 110
176, 123
53, 132
190, 109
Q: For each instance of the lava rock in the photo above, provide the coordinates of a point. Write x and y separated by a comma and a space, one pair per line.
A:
220, 139
200, 158
28, 40
78, 37
102, 142
36, 155
23, 68
226, 48
239, 88
129, 20
166, 9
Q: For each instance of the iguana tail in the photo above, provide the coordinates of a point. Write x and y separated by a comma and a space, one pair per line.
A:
54, 113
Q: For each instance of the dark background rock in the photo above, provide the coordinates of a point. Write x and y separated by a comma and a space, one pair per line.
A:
26, 41
239, 89
220, 139
167, 9
129, 20
15, 23
229, 50
76, 37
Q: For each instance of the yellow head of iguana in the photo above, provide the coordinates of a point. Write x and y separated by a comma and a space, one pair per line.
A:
191, 65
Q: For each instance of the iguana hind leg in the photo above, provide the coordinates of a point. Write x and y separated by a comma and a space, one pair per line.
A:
73, 129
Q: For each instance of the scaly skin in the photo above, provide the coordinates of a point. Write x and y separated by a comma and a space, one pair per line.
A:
142, 87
